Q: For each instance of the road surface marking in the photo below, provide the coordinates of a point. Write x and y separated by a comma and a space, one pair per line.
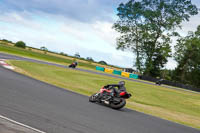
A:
20, 124
4, 64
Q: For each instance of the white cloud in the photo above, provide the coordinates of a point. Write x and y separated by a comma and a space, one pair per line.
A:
105, 31
64, 35
21, 19
79, 10
190, 26
171, 64
73, 31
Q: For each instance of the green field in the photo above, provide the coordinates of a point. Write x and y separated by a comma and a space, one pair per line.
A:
175, 105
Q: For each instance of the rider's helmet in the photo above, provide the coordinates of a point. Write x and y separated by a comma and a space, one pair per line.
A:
122, 86
76, 63
121, 83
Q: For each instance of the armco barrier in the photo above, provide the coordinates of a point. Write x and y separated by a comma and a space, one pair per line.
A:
170, 83
107, 70
125, 74
117, 72
134, 76
100, 68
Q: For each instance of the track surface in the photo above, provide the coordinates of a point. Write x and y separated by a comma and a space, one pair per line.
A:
55, 110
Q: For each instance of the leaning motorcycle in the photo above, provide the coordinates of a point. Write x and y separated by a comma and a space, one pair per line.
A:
73, 65
105, 96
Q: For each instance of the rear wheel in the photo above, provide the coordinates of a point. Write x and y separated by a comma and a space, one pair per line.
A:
93, 98
118, 105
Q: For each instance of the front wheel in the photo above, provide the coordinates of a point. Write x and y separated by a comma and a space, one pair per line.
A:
118, 105
93, 97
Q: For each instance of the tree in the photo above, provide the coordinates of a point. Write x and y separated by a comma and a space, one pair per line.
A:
20, 44
7, 41
89, 59
127, 25
43, 48
77, 55
146, 28
103, 62
187, 56
62, 53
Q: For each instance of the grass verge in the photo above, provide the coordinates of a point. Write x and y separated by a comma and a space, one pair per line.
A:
174, 105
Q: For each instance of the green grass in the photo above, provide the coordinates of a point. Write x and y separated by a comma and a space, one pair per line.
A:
45, 57
175, 105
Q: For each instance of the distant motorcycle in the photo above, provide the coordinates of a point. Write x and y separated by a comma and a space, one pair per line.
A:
112, 95
73, 65
159, 82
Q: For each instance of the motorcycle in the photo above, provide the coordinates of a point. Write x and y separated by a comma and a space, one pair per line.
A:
73, 65
107, 97
159, 82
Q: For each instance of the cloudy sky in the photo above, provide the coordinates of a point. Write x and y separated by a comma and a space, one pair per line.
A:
71, 26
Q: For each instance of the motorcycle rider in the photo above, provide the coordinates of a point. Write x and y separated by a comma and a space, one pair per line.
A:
74, 64
116, 88
112, 95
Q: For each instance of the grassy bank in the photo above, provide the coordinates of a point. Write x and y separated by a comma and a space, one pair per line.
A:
175, 105
41, 56
47, 56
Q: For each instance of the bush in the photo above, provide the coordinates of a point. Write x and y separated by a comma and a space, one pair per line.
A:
20, 44
62, 53
5, 40
44, 49
77, 55
103, 62
89, 59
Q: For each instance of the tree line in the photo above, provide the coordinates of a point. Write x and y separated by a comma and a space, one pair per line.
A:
147, 27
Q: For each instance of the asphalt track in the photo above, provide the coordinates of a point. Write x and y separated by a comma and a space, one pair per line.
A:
56, 110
